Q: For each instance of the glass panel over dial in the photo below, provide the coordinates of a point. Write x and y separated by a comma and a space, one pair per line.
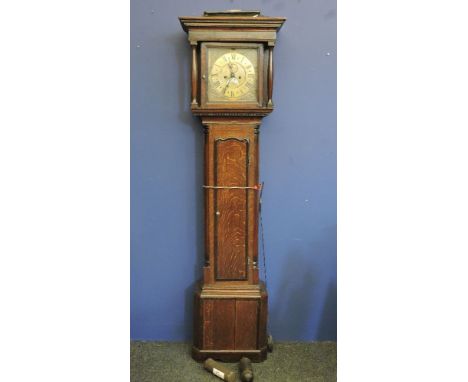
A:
232, 75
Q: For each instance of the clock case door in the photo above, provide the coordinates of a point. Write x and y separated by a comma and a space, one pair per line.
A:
205, 74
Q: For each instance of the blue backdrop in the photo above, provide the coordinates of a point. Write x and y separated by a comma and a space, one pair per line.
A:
297, 164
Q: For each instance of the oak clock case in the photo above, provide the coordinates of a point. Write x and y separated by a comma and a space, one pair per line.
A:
231, 90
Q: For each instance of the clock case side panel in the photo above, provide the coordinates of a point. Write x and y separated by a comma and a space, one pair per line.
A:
204, 78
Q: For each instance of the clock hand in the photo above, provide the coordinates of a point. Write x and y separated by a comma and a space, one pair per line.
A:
232, 71
227, 84
233, 76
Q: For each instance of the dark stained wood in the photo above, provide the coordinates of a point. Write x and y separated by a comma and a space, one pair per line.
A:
231, 208
246, 324
233, 323
233, 12
207, 211
223, 324
257, 355
236, 243
243, 24
231, 303
207, 322
241, 111
270, 76
197, 319
194, 75
219, 328
263, 319
232, 35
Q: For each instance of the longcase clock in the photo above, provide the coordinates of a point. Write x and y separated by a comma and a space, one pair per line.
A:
232, 87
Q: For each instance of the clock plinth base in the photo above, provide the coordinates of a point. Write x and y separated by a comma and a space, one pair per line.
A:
229, 355
230, 323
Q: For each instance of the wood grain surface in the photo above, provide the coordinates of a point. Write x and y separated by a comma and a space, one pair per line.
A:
230, 310
219, 329
230, 324
246, 324
231, 209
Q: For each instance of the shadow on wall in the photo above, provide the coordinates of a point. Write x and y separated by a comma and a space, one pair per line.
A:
297, 299
327, 328
288, 318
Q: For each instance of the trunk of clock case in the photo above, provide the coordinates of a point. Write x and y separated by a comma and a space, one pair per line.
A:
230, 309
231, 215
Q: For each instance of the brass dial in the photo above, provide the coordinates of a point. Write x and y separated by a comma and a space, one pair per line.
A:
233, 76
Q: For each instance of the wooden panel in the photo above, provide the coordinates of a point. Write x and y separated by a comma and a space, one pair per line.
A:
246, 324
218, 326
231, 169
203, 35
262, 322
208, 308
197, 319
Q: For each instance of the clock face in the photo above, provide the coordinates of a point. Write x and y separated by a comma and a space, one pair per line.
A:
232, 75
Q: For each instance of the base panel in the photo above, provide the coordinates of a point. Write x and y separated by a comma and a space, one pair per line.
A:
230, 323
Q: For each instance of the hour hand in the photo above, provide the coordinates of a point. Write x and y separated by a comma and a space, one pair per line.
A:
227, 84
232, 71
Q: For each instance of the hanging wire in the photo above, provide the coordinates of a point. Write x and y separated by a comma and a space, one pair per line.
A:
263, 247
261, 232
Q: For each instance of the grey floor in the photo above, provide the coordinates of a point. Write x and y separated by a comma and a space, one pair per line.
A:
289, 362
